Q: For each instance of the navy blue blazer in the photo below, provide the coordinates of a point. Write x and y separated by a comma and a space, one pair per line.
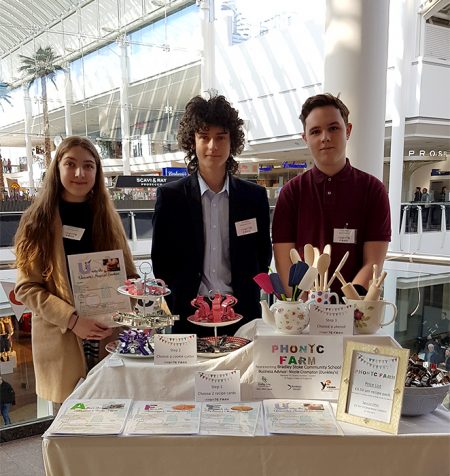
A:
178, 246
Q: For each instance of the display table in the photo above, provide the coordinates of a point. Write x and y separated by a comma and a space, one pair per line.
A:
422, 446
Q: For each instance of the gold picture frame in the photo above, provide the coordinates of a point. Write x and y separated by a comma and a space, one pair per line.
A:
388, 393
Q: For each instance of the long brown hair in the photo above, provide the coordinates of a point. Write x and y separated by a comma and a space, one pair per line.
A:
34, 241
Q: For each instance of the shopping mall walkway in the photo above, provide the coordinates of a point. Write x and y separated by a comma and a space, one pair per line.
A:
22, 457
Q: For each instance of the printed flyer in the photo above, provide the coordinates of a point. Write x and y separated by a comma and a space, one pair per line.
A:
302, 417
91, 417
95, 278
164, 418
301, 366
372, 386
229, 419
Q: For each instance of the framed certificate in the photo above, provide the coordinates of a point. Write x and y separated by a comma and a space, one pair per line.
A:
372, 384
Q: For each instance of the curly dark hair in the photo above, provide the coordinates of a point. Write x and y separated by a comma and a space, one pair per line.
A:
215, 111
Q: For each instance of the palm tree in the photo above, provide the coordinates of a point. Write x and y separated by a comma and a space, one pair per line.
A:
42, 66
4, 96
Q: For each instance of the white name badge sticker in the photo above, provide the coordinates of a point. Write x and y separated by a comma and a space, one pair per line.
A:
246, 227
344, 235
218, 386
72, 232
175, 349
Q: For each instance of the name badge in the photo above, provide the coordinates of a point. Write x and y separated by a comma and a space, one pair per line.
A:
72, 232
344, 235
246, 227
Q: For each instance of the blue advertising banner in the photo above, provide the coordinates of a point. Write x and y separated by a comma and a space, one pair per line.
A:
174, 171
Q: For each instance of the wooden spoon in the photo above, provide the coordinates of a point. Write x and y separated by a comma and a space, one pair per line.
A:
316, 259
323, 264
308, 251
326, 250
338, 269
295, 257
316, 256
308, 279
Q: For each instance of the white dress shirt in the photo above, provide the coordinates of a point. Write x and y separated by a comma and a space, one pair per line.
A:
216, 263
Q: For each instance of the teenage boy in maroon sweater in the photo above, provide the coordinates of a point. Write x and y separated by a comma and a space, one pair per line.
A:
333, 202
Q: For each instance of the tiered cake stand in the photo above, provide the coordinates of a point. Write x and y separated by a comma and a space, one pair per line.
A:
218, 342
152, 320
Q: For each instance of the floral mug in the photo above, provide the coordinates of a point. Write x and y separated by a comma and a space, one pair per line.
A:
369, 316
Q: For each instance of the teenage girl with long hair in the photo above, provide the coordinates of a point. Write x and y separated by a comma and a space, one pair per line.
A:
73, 195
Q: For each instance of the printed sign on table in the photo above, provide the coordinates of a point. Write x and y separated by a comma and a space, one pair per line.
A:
175, 349
218, 386
373, 380
301, 366
331, 319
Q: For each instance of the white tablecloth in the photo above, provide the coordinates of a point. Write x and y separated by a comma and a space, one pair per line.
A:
422, 446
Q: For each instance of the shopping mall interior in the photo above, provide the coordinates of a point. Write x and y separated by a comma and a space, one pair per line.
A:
121, 72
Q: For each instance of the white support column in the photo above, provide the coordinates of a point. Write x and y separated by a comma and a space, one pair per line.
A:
28, 143
400, 39
133, 227
356, 46
44, 408
68, 101
207, 76
124, 105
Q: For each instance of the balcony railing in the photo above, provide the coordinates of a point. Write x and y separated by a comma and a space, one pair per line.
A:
419, 217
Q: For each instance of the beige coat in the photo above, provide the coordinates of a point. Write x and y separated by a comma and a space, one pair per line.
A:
58, 355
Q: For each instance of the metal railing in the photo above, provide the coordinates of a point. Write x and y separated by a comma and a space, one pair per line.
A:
420, 217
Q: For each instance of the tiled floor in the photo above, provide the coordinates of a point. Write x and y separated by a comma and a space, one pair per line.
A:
22, 457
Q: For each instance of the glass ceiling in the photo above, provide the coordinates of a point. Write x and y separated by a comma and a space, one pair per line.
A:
85, 21
22, 19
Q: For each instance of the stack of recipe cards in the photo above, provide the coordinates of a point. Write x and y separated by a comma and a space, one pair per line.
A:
91, 417
207, 418
164, 418
303, 417
229, 419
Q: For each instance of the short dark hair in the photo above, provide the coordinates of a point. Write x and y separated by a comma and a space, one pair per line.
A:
215, 111
321, 100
